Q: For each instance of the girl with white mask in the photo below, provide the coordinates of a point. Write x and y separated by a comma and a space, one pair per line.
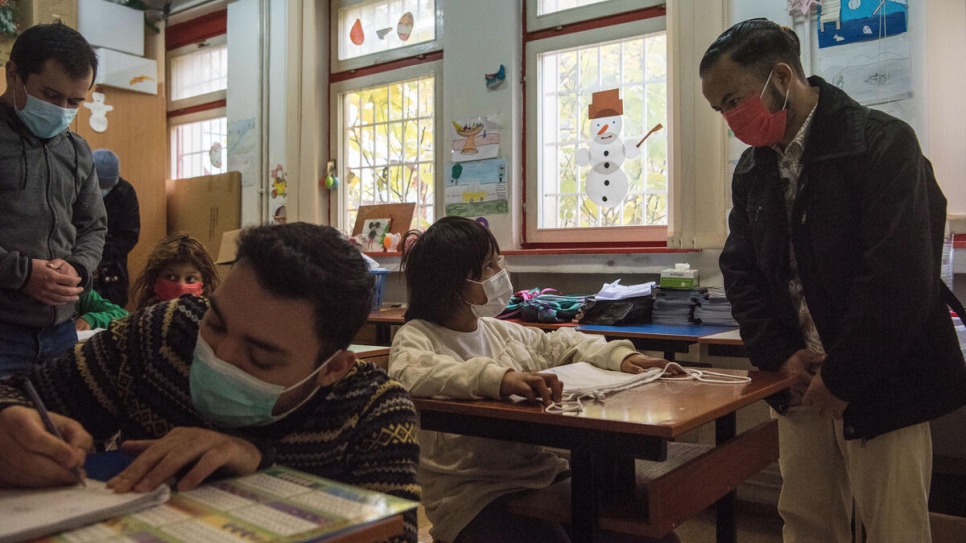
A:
452, 346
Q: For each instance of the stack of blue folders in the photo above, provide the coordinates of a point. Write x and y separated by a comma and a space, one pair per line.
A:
673, 306
713, 308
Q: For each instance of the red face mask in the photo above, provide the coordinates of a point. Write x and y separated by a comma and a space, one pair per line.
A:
169, 290
753, 124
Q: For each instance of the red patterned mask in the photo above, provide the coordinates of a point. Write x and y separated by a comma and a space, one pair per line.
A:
753, 124
169, 290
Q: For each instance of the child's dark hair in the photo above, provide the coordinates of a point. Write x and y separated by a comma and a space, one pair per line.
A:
174, 248
57, 41
302, 261
758, 44
438, 262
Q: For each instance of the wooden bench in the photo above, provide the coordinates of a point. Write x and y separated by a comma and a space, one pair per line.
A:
670, 492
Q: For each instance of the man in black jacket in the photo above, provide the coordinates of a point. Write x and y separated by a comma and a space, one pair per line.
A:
123, 228
832, 268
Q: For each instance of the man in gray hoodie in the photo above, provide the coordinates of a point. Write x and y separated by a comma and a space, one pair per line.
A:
52, 219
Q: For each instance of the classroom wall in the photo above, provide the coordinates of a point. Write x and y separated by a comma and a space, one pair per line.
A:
471, 48
464, 61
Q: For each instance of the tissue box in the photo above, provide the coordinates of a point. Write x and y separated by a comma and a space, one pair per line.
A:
681, 276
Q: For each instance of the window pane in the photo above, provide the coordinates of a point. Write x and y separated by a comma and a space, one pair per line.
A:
390, 148
569, 155
200, 72
199, 148
384, 25
545, 7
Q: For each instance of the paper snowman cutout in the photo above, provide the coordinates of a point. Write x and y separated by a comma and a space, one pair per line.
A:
606, 181
98, 112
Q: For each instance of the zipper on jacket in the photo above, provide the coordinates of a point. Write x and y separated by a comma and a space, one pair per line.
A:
50, 205
53, 225
757, 213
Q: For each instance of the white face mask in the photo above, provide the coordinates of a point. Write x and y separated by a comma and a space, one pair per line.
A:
498, 290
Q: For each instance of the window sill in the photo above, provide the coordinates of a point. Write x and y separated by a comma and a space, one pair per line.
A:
568, 251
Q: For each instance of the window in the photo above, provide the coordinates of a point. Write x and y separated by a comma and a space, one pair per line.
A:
199, 148
585, 88
372, 32
199, 72
197, 83
387, 146
545, 7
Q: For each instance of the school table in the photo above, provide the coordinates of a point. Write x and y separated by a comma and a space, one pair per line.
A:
725, 344
657, 337
604, 440
384, 319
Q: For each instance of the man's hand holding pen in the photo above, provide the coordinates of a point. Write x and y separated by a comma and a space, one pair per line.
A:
32, 456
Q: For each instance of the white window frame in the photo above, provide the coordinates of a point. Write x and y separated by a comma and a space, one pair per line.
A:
201, 98
337, 206
381, 57
175, 122
537, 235
583, 13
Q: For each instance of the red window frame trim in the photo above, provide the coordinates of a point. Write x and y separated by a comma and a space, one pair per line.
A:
196, 30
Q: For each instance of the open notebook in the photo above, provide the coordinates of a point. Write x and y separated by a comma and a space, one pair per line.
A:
34, 513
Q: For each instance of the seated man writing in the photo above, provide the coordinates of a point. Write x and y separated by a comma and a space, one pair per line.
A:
257, 374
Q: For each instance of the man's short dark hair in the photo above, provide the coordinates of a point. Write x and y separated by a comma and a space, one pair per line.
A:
57, 41
757, 44
302, 261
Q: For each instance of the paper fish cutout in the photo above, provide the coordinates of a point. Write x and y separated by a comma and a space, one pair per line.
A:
356, 34
494, 80
383, 31
405, 26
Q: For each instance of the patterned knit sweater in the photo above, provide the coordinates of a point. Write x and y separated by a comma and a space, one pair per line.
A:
133, 378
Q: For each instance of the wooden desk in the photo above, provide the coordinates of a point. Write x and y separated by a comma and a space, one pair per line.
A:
725, 344
656, 337
384, 319
637, 423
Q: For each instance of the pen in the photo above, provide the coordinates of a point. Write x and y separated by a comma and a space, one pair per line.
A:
51, 427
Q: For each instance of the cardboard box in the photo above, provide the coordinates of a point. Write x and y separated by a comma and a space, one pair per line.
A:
226, 252
205, 207
681, 276
124, 71
35, 12
106, 24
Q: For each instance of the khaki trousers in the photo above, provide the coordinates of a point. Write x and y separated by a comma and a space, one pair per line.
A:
887, 478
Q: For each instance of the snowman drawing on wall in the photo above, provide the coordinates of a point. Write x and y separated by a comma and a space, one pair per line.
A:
606, 181
98, 112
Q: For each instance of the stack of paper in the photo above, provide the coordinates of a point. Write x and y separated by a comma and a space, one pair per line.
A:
713, 308
30, 514
616, 291
673, 306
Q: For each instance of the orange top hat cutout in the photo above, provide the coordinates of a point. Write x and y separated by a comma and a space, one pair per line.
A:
606, 103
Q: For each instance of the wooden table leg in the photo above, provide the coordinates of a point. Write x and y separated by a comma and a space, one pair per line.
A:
725, 428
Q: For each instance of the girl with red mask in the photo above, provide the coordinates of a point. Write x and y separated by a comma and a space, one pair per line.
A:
178, 265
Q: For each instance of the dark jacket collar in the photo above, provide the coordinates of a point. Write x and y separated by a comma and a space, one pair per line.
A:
838, 129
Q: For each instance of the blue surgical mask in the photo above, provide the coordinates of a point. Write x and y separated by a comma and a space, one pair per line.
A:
231, 398
43, 119
104, 192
